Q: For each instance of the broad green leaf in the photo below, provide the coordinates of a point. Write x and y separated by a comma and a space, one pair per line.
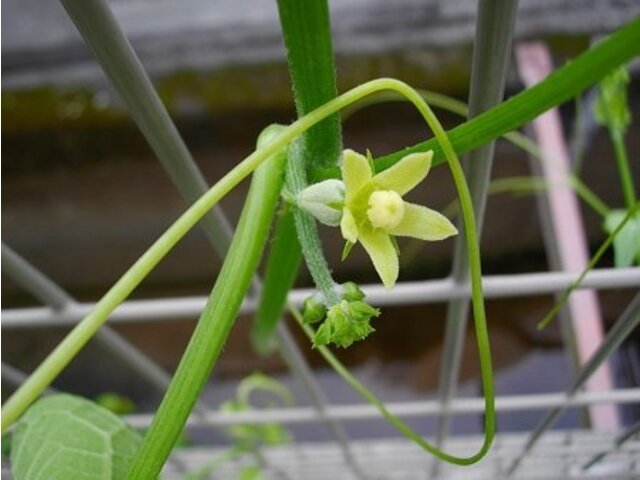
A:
70, 438
626, 245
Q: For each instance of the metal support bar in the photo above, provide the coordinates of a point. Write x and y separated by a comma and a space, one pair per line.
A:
629, 320
626, 435
34, 281
46, 290
491, 54
406, 293
367, 412
100, 30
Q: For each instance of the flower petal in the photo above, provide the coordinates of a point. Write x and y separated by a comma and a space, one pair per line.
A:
355, 171
406, 174
348, 226
383, 254
423, 223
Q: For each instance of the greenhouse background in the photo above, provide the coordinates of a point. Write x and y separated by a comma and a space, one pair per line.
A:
84, 195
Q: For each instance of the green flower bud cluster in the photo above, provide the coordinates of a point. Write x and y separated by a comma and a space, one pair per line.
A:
612, 105
345, 322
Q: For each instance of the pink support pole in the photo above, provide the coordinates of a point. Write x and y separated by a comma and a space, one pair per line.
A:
567, 233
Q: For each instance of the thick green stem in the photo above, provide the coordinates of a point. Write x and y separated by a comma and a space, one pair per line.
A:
307, 37
215, 322
280, 274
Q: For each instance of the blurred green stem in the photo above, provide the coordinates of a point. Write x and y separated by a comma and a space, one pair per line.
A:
617, 138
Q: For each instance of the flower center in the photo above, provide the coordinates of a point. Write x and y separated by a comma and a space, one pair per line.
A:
386, 209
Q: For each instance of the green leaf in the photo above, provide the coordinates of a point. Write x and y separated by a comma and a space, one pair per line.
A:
626, 245
71, 438
562, 85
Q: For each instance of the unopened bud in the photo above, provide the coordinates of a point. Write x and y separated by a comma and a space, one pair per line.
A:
313, 310
324, 201
351, 292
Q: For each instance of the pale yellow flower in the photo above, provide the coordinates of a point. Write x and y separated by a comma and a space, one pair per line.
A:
374, 210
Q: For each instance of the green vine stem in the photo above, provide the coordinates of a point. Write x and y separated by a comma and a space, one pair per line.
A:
477, 297
308, 230
283, 263
566, 82
365, 393
260, 382
617, 138
592, 263
217, 318
526, 184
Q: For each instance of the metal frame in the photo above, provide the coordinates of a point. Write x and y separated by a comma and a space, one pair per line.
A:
62, 310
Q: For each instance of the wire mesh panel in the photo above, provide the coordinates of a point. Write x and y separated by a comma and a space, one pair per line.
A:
561, 455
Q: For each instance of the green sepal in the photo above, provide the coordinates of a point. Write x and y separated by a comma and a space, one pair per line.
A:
347, 250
